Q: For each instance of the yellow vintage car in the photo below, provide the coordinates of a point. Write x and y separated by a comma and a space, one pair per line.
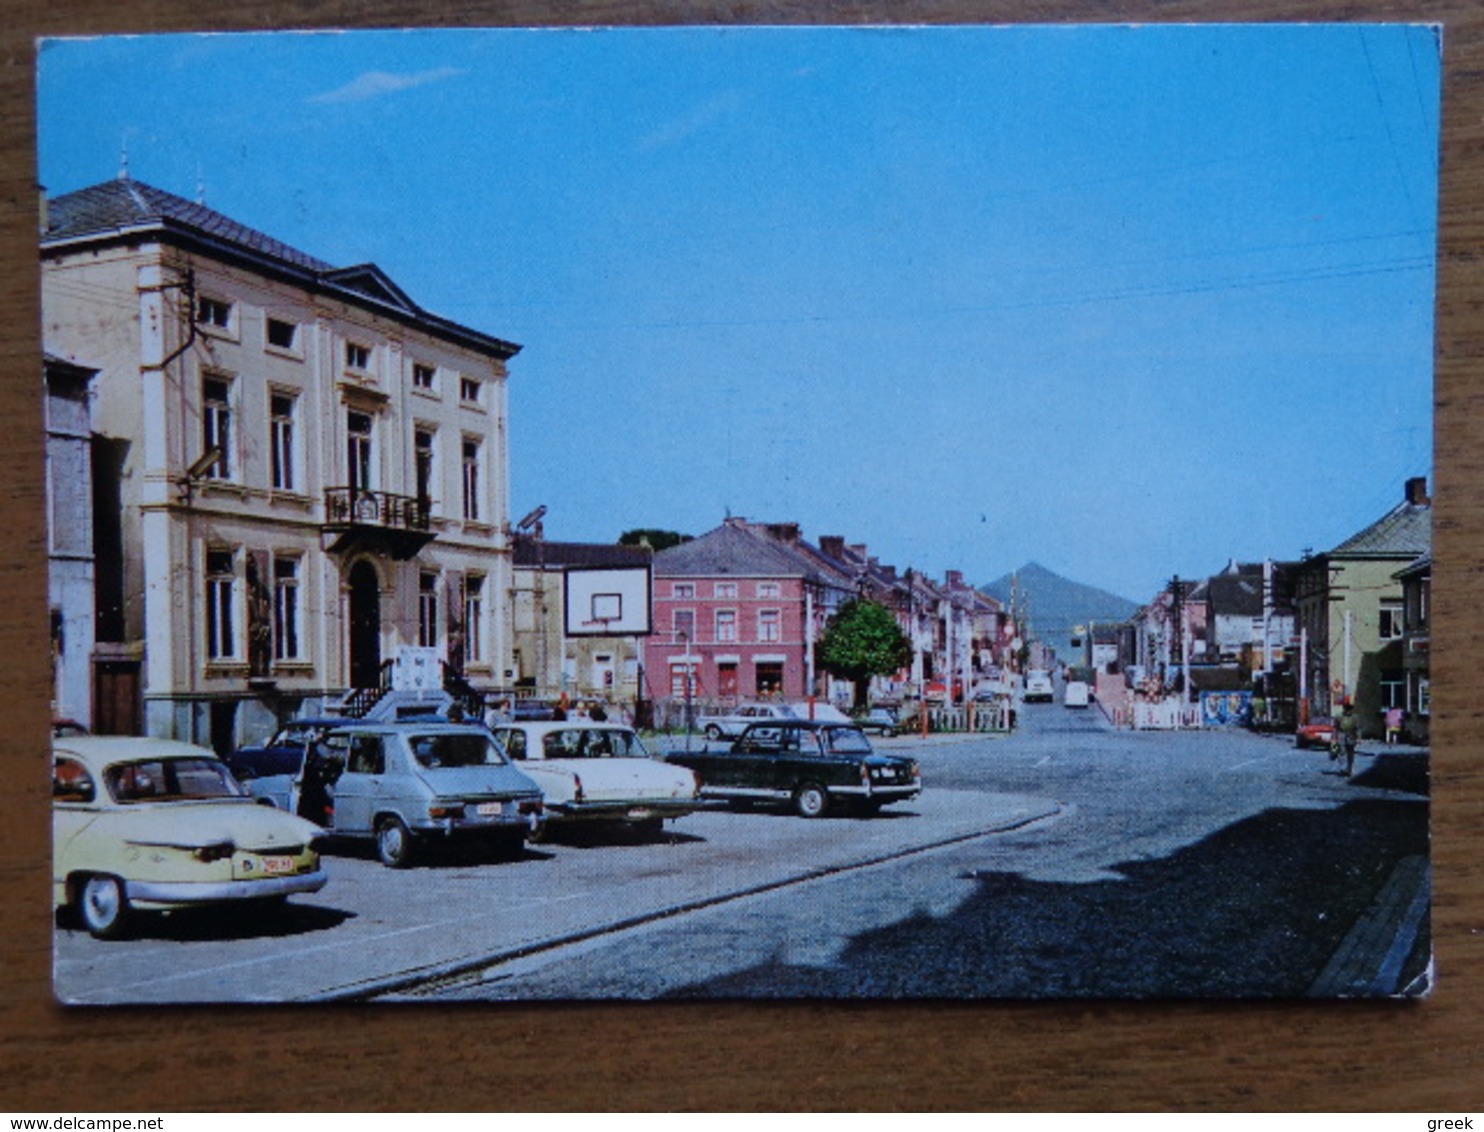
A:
155, 825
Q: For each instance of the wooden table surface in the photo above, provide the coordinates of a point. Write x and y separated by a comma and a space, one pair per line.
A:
1291, 1056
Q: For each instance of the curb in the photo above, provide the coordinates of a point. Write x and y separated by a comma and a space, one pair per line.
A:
1368, 962
462, 968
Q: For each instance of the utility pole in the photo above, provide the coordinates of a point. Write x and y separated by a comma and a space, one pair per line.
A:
1303, 675
686, 661
1349, 614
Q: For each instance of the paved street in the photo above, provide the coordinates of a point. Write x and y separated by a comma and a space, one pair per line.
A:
1066, 859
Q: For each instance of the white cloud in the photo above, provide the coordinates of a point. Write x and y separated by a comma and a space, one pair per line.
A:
373, 84
679, 129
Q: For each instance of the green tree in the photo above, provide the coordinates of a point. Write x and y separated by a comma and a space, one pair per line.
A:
863, 640
656, 539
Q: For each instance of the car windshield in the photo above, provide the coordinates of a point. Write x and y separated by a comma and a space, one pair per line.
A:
434, 751
592, 743
152, 780
847, 741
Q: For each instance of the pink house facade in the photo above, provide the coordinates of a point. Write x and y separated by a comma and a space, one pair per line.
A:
737, 611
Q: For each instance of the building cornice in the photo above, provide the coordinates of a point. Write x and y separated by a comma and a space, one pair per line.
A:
325, 283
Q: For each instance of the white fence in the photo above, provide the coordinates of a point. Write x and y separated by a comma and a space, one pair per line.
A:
1170, 714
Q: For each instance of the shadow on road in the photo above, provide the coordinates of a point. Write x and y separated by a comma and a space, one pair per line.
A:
195, 925
1253, 911
598, 836
1400, 770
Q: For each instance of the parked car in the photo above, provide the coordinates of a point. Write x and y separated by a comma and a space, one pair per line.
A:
1319, 733
406, 784
1038, 686
881, 720
522, 710
808, 765
821, 711
155, 825
1076, 694
599, 772
283, 753
731, 724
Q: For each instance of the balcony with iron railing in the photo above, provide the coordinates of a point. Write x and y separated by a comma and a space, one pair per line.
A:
360, 519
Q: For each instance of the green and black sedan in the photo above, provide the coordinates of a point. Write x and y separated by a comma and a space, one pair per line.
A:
809, 765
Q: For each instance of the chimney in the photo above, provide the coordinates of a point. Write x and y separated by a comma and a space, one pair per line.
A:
784, 532
955, 579
833, 545
1417, 492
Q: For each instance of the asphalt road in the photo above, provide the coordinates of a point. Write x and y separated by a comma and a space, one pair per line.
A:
1067, 859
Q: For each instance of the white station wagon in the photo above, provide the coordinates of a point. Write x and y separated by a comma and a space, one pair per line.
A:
591, 772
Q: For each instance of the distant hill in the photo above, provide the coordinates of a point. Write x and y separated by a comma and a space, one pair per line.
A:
1057, 605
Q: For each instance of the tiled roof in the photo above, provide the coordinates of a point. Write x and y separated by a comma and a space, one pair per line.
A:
732, 548
117, 205
1235, 595
555, 555
1417, 568
1403, 532
114, 209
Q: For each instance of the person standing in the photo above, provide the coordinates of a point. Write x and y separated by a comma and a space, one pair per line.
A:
1347, 731
1393, 725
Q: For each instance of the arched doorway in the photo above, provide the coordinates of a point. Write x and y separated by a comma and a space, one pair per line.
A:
365, 626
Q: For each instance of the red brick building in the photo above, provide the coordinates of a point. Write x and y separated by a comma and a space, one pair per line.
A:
740, 608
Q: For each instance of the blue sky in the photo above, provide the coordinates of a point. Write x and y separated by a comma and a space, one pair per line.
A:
1124, 301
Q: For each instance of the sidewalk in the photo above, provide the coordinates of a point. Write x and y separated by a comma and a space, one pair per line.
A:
1369, 961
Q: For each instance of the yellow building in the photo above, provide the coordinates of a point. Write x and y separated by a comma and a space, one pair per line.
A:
1351, 614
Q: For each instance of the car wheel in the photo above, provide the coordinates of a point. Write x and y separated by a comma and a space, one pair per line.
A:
104, 907
811, 800
713, 732
394, 844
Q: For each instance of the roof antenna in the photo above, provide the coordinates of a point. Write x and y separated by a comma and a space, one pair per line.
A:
124, 159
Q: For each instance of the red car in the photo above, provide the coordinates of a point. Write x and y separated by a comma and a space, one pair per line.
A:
1320, 733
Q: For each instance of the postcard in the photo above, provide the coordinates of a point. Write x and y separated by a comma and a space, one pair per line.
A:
754, 513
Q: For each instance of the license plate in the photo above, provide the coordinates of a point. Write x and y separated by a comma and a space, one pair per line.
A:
277, 866
640, 814
491, 809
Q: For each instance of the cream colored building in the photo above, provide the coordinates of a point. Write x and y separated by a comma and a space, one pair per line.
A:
549, 661
1351, 614
309, 469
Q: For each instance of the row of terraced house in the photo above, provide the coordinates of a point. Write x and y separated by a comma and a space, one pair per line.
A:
739, 610
1351, 623
269, 477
